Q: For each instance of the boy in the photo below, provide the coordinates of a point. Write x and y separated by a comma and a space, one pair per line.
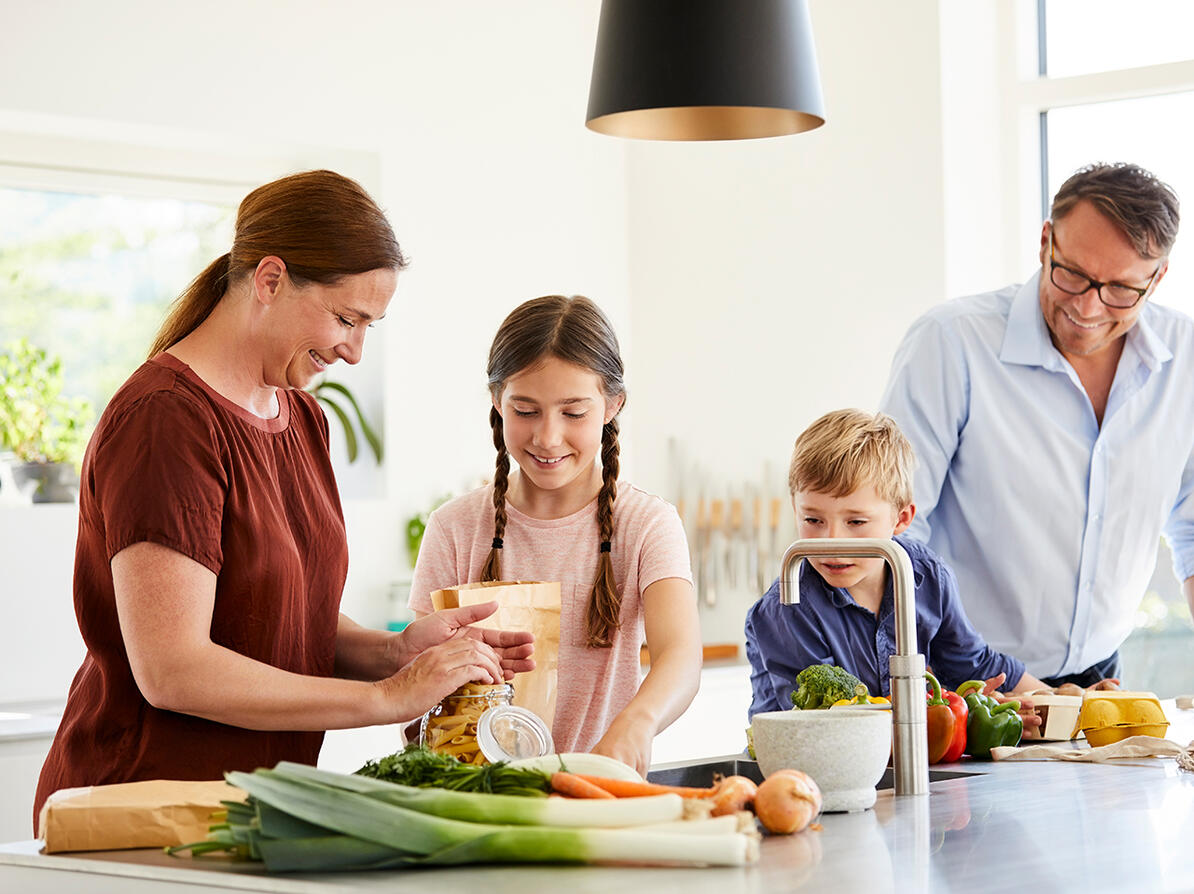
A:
851, 476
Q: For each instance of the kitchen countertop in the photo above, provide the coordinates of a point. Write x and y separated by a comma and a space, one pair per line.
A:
1040, 826
29, 720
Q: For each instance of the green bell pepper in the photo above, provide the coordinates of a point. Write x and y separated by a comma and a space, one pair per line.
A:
989, 723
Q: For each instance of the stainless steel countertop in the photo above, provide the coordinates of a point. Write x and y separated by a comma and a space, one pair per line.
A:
1042, 826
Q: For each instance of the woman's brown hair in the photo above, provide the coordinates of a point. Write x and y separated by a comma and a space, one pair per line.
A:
323, 225
576, 331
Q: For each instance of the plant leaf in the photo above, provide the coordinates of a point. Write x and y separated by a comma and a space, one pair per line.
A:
350, 436
367, 430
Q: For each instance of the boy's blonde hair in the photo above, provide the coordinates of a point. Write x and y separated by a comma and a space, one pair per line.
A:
848, 449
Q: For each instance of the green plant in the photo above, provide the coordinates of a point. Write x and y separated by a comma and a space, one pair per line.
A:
331, 394
37, 423
416, 526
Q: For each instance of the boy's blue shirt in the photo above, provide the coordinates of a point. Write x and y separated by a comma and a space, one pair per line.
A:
828, 627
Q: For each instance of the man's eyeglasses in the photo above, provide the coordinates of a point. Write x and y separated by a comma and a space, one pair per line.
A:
1113, 294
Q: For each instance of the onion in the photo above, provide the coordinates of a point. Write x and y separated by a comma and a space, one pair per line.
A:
733, 794
787, 801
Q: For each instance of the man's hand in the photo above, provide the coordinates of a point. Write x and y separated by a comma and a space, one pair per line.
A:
513, 647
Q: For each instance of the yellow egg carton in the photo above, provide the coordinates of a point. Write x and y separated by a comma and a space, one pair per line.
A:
1108, 716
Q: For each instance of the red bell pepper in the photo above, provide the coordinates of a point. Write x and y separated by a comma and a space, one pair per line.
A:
957, 704
940, 721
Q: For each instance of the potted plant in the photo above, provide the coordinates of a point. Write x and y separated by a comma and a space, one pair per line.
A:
44, 430
332, 395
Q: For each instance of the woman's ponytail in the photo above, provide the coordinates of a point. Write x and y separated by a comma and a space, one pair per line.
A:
194, 305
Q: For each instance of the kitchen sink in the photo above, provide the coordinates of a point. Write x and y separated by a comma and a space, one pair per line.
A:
701, 772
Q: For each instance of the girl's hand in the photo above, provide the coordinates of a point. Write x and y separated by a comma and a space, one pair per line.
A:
513, 647
629, 741
434, 673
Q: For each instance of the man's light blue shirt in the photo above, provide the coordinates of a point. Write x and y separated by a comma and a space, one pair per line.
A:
1050, 522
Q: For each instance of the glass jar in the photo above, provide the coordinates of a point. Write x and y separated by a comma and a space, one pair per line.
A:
451, 726
478, 724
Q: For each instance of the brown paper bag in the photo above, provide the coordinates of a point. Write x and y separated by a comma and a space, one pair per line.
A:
153, 813
522, 605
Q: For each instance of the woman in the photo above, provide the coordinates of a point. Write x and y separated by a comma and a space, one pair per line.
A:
211, 553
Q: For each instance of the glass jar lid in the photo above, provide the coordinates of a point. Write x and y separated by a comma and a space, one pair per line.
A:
508, 732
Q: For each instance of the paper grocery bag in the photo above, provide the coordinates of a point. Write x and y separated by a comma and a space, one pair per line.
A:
522, 605
153, 813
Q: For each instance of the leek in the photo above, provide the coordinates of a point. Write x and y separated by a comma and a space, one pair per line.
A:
502, 809
299, 818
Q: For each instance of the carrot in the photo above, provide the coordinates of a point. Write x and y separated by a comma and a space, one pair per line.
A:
574, 786
624, 788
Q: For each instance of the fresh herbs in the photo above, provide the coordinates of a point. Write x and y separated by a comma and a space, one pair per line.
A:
423, 768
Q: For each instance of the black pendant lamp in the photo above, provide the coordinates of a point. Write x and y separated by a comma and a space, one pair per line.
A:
704, 70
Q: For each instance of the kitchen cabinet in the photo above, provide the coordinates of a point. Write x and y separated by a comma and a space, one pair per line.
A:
26, 730
1047, 826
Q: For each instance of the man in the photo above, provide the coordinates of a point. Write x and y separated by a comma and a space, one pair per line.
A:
1054, 427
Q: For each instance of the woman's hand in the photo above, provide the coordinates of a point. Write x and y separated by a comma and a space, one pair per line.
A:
434, 673
628, 740
512, 647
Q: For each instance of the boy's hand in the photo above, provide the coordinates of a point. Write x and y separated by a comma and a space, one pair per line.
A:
1027, 712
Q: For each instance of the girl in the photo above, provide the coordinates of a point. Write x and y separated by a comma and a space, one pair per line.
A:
555, 378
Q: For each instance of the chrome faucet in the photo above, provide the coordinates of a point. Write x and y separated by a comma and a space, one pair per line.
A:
911, 743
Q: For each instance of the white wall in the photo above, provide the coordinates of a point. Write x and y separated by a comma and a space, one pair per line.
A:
754, 285
496, 191
771, 279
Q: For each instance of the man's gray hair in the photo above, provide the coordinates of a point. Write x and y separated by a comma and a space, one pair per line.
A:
1144, 207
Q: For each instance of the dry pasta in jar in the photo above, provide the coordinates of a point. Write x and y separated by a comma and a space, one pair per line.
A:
451, 726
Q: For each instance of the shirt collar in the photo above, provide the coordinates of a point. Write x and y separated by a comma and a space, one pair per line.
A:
841, 597
1027, 340
1143, 339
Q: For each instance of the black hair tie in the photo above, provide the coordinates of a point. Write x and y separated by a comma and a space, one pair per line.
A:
605, 546
497, 542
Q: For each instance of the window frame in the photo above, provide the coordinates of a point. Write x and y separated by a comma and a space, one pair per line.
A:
1031, 94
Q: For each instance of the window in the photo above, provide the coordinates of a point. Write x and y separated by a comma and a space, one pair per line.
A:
1116, 83
88, 277
98, 237
1106, 50
1089, 36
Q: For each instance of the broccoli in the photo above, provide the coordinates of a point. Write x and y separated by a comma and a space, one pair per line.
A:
820, 685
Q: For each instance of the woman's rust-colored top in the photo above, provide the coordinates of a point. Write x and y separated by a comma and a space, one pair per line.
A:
172, 462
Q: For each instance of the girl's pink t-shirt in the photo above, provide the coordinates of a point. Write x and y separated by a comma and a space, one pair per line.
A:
648, 546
